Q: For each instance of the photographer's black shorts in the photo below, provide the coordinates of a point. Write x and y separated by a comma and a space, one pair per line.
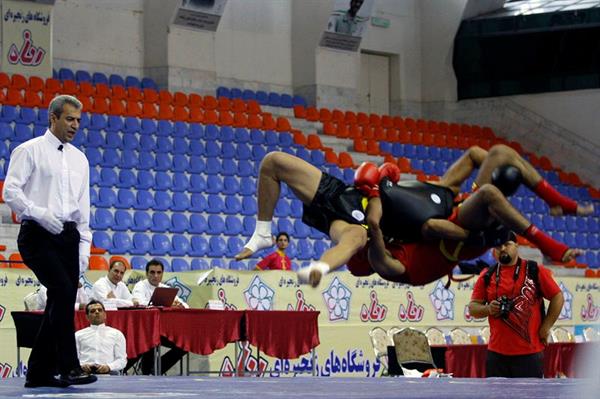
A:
334, 200
515, 366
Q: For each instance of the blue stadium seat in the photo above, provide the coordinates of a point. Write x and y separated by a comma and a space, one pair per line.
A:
316, 234
26, 116
319, 247
271, 138
235, 264
282, 209
422, 152
7, 132
200, 264
223, 92
162, 201
214, 184
317, 158
249, 224
301, 230
248, 206
181, 202
138, 263
116, 80
144, 200
132, 81
231, 185
228, 150
216, 247
198, 203
123, 220
212, 149
93, 139
234, 246
286, 140
198, 224
196, 148
286, 101
163, 162
257, 137
9, 114
179, 223
142, 221
213, 166
245, 168
99, 77
180, 146
180, 265
126, 179
215, 204
197, 183
216, 225
296, 208
180, 245
121, 243
147, 127
397, 149
113, 140
218, 262
304, 250
248, 95
241, 135
593, 224
547, 222
234, 92
161, 223
180, 163
100, 239
130, 143
571, 222
4, 154
97, 122
66, 74
334, 171
262, 97
149, 83
428, 167
233, 205
285, 226
299, 100
180, 129
226, 134
243, 152
106, 197
258, 153
131, 125
103, 219
125, 199
83, 76
146, 161
211, 133
196, 131
145, 180
233, 225
161, 245
93, 196
147, 143
229, 167
180, 182
110, 158
162, 181
164, 144
247, 186
108, 178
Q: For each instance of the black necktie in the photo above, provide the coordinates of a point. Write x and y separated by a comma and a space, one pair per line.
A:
60, 147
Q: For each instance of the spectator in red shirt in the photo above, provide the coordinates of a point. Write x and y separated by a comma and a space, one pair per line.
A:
277, 260
511, 295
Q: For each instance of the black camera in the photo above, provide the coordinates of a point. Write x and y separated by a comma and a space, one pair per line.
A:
506, 305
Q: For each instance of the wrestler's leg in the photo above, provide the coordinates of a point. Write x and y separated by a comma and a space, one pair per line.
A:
501, 154
443, 229
489, 204
348, 239
461, 169
277, 167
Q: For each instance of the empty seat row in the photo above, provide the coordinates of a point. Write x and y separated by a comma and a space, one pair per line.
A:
99, 77
272, 99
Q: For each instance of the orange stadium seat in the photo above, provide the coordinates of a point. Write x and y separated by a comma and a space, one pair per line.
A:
299, 112
150, 96
223, 104
362, 118
134, 94
366, 132
268, 123
283, 124
345, 160
118, 92
181, 113
116, 107
254, 121
373, 147
180, 99
18, 81
299, 138
165, 111
195, 101
410, 124
149, 110
238, 105
119, 258
312, 114
404, 165
313, 142
98, 263
422, 125
240, 119
35, 83
196, 115
253, 107
102, 90
329, 128
331, 157
14, 97
337, 116
443, 126
85, 101
545, 163
350, 118
100, 105
52, 85
391, 134
374, 120
359, 145
4, 80
70, 87
165, 97
133, 108
211, 117
342, 131
398, 122
210, 103
387, 122
87, 89
225, 117
16, 261
324, 115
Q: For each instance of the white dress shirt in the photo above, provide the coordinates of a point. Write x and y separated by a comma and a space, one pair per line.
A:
101, 345
41, 177
42, 298
143, 290
104, 286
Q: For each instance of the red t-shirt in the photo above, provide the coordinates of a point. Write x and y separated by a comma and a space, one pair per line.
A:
275, 261
519, 334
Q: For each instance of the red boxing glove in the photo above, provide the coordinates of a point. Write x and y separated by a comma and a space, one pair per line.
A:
391, 171
366, 179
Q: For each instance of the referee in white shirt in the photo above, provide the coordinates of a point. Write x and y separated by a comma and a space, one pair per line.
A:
47, 186
111, 290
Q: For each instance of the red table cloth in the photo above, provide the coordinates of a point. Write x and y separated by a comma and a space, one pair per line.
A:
201, 331
282, 334
140, 327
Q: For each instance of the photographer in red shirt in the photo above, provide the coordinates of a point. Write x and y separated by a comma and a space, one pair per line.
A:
511, 294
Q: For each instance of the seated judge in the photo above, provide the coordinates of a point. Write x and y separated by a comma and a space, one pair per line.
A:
111, 290
143, 290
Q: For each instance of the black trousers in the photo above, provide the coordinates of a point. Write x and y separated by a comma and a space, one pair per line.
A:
55, 261
167, 360
515, 366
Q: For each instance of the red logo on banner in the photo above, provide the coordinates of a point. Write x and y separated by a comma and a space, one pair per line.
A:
5, 370
28, 54
374, 312
2, 312
590, 312
412, 311
244, 362
223, 298
301, 304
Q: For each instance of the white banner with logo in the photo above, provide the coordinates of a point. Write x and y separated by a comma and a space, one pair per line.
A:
199, 14
26, 38
347, 24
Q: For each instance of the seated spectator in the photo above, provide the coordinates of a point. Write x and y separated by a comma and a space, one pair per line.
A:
37, 300
111, 290
101, 349
142, 292
277, 260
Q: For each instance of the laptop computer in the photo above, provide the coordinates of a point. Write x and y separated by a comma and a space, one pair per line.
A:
163, 296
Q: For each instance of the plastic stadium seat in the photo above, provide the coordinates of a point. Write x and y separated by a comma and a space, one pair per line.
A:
180, 182
144, 180
142, 221
257, 137
101, 240
197, 164
233, 206
198, 203
234, 246
161, 223
197, 183
162, 181
319, 247
262, 97
231, 185
26, 116
212, 149
233, 226
126, 179
216, 247
180, 246
123, 221
146, 161
103, 219
179, 223
228, 150
98, 263
247, 186
121, 243
162, 201
216, 225
106, 197
213, 166
301, 230
214, 184
249, 224
282, 209
304, 250
161, 245
125, 199
198, 224
199, 264
180, 265
229, 168
181, 202
274, 99
144, 200
9, 114
180, 146
197, 148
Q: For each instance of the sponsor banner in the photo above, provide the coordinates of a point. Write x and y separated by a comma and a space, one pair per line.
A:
199, 14
350, 307
347, 24
26, 38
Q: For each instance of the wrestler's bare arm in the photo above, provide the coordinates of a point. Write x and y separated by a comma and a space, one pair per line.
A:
443, 229
380, 258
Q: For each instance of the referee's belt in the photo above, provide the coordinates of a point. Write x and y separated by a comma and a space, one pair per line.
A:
67, 226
